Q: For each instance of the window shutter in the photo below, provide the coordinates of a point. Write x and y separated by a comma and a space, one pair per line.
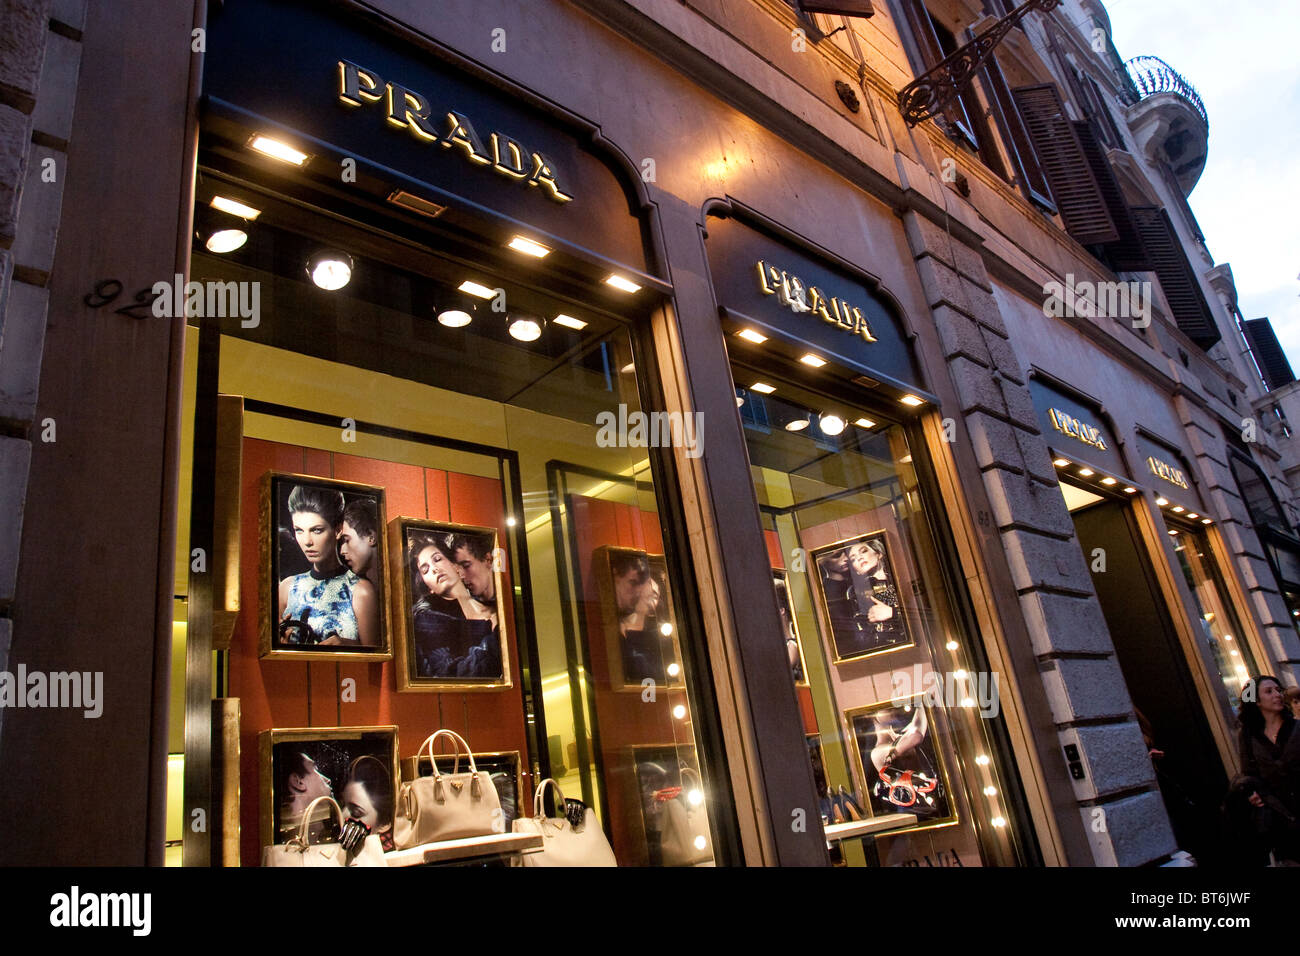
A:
1272, 361
1074, 187
1125, 253
932, 53
844, 8
1016, 137
1106, 117
1177, 277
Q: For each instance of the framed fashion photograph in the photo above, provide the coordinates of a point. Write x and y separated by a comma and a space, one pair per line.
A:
503, 767
357, 766
858, 598
638, 617
448, 607
899, 761
673, 806
790, 628
323, 554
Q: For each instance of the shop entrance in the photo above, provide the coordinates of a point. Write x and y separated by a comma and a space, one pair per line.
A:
1188, 766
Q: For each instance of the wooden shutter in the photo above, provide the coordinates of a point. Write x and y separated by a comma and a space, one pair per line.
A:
924, 31
1125, 253
1272, 361
1074, 187
844, 8
1016, 137
1177, 277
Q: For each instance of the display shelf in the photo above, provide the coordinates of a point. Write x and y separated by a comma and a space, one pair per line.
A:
869, 826
495, 844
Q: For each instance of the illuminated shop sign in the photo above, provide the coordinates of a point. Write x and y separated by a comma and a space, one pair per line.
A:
412, 111
1069, 425
796, 295
1166, 471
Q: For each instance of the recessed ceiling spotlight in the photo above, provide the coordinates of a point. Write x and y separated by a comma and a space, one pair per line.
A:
1130, 490
235, 207
815, 361
1193, 515
455, 318
226, 240
277, 150
763, 388
528, 247
912, 400
330, 269
1086, 472
1172, 531
798, 425
569, 322
749, 335
1061, 462
865, 423
525, 328
629, 368
1109, 481
473, 288
1178, 509
623, 285
1206, 521
831, 424
1161, 502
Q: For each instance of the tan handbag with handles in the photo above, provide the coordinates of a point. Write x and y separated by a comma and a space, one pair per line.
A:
685, 838
299, 851
447, 806
562, 843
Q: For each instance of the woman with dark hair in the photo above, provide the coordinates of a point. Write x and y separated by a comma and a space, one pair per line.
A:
876, 596
328, 605
368, 797
1266, 795
456, 635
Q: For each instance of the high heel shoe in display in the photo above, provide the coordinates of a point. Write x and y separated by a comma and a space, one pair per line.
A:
852, 809
837, 809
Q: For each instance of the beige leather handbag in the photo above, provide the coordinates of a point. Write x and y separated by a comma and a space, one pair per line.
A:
562, 844
447, 806
299, 851
685, 839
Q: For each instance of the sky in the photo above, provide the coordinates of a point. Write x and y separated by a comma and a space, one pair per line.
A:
1242, 58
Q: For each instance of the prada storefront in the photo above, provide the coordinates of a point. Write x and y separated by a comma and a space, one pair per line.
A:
1174, 621
899, 708
421, 444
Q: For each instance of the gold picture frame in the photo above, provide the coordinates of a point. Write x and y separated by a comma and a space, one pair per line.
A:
876, 799
627, 669
326, 748
416, 644
273, 492
839, 639
781, 577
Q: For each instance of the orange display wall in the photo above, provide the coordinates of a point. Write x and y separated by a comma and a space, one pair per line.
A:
284, 693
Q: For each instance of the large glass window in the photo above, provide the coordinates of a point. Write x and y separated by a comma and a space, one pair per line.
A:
897, 705
499, 566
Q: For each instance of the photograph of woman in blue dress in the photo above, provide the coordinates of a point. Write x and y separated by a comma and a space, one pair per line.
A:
327, 604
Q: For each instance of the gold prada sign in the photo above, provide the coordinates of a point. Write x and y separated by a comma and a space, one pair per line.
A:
409, 110
794, 294
1168, 472
1068, 425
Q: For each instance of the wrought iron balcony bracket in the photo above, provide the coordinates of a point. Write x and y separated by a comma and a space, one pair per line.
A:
931, 92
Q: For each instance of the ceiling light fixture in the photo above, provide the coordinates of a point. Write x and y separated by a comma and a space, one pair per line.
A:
912, 400
1130, 490
865, 423
763, 388
831, 424
1192, 515
528, 247
473, 288
1206, 521
226, 240
1161, 502
269, 146
1061, 462
1086, 472
798, 425
235, 207
330, 269
1178, 509
814, 361
569, 322
525, 328
623, 285
749, 335
1109, 481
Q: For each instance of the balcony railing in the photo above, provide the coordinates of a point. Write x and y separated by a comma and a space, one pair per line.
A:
1152, 75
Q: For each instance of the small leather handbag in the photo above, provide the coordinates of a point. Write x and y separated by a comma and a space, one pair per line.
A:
684, 836
563, 844
299, 851
447, 806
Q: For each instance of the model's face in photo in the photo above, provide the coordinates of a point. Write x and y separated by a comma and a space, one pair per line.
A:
315, 536
357, 805
437, 571
356, 550
864, 559
838, 563
1271, 700
311, 784
628, 588
477, 575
